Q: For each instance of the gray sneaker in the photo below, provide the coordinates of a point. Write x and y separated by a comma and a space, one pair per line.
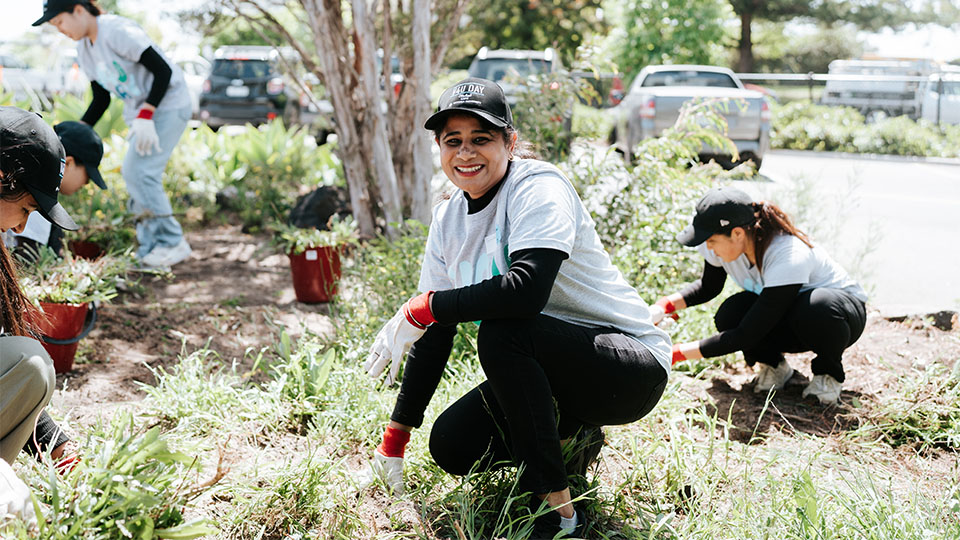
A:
769, 377
167, 256
825, 388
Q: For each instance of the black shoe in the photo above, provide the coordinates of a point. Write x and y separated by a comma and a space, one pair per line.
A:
547, 527
585, 449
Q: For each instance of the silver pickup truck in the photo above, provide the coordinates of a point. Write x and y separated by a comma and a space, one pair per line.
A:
653, 104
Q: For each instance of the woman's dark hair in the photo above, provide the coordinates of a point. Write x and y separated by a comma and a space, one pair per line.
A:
92, 7
522, 149
16, 310
771, 221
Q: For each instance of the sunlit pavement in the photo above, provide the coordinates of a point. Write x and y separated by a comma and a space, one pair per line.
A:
904, 214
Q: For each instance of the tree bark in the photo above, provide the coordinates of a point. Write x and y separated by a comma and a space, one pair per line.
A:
422, 158
745, 64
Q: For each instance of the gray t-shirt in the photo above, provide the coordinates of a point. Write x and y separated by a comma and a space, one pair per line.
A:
114, 62
788, 261
537, 207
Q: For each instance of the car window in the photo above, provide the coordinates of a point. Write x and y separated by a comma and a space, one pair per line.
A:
242, 69
497, 69
689, 78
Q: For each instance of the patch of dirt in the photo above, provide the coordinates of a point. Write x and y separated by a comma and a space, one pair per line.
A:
233, 294
886, 350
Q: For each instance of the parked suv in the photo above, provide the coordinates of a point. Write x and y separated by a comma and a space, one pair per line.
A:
507, 66
247, 85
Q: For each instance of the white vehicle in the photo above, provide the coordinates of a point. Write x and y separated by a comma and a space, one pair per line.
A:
882, 88
653, 102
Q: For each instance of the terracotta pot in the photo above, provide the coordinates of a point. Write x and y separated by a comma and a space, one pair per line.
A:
85, 249
316, 273
63, 322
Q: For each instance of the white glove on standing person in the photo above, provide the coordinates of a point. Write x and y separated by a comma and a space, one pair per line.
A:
398, 335
14, 496
143, 133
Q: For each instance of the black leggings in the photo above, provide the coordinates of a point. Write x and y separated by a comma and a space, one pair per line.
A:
825, 321
594, 376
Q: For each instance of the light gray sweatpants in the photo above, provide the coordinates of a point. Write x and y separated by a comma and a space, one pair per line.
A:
27, 381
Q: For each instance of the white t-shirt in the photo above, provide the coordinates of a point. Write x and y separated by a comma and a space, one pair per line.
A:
114, 62
36, 229
788, 261
537, 207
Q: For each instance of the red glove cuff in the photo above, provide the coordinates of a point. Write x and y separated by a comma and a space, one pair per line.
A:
146, 114
666, 304
677, 355
417, 311
394, 442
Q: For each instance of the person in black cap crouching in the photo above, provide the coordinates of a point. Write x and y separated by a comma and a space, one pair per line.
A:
566, 344
795, 298
31, 166
84, 150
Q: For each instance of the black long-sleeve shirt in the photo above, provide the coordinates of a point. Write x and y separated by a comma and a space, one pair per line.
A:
151, 60
770, 307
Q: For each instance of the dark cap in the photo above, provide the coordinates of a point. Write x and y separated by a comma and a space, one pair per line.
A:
719, 211
52, 8
82, 142
30, 149
475, 96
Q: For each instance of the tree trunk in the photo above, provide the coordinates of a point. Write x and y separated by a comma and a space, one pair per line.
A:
325, 20
422, 158
373, 122
745, 65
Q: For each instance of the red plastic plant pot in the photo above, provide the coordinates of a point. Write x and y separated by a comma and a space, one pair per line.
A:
64, 322
85, 249
316, 273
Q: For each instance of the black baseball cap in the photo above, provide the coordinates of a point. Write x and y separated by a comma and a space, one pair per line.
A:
719, 211
82, 142
31, 149
52, 8
479, 97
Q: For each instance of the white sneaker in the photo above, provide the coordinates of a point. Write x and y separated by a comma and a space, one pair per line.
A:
166, 256
388, 470
825, 387
771, 377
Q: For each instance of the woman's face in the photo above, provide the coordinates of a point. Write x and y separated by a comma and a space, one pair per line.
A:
13, 214
473, 158
728, 248
72, 23
74, 177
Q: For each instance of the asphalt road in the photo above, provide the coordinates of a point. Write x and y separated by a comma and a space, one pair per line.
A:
892, 222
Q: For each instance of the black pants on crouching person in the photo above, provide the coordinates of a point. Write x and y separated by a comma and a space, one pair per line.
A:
825, 321
546, 381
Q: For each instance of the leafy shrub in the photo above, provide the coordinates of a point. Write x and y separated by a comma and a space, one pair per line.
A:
801, 125
267, 168
129, 484
295, 240
74, 281
544, 110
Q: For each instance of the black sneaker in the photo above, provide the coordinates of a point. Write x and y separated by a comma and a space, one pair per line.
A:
547, 527
585, 449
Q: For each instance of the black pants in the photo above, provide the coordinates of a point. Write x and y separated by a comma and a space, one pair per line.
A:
825, 321
546, 380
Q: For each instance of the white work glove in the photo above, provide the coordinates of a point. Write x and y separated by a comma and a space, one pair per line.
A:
397, 336
14, 497
143, 136
388, 470
656, 313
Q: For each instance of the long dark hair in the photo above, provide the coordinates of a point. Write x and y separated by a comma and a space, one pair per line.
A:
92, 7
17, 313
770, 221
522, 149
